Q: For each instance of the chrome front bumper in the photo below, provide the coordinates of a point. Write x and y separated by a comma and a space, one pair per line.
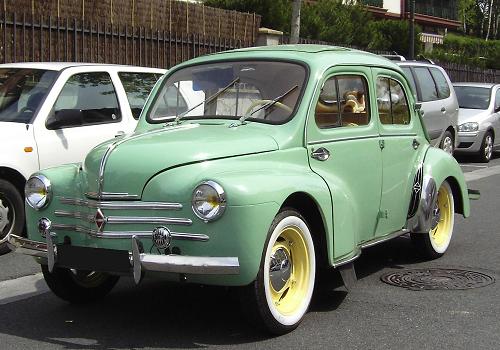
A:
139, 262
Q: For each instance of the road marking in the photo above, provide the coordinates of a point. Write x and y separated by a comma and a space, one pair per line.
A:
482, 173
22, 288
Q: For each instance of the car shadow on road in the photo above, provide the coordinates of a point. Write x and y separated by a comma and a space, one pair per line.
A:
159, 314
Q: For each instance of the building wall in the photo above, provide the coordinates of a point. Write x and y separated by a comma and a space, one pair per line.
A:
393, 6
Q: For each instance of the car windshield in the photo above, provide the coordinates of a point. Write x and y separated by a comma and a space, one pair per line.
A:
21, 92
265, 91
473, 97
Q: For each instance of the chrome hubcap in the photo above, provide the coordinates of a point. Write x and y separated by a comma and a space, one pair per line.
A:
448, 145
4, 216
488, 147
280, 269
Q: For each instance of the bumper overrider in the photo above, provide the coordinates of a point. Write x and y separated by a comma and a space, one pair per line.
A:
134, 261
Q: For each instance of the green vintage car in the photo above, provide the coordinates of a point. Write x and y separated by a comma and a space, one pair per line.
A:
294, 158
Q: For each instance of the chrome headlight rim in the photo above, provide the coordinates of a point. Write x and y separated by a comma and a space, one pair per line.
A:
221, 194
469, 127
48, 191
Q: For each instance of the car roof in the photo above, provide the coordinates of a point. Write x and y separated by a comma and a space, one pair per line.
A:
58, 66
483, 85
319, 56
416, 64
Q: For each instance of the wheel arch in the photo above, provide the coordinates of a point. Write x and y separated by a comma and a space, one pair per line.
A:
309, 208
458, 200
14, 177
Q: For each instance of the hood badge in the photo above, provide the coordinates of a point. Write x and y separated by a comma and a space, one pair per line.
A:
100, 220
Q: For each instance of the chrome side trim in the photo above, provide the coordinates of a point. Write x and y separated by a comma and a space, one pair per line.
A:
111, 196
310, 143
74, 215
121, 205
384, 238
25, 246
347, 260
147, 220
128, 234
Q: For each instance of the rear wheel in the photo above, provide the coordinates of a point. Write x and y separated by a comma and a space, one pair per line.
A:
486, 150
434, 244
447, 143
11, 212
76, 286
280, 296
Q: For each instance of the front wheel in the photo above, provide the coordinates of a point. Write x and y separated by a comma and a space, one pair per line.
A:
280, 296
434, 244
447, 143
486, 150
77, 286
11, 212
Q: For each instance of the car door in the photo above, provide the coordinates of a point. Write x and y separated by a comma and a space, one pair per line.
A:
82, 111
343, 144
402, 148
496, 115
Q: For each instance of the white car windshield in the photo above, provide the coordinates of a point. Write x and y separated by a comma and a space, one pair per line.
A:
473, 97
266, 91
22, 91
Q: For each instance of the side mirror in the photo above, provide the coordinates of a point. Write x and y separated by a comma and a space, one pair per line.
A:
65, 118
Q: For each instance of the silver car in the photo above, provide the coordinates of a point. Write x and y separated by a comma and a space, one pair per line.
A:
434, 91
478, 119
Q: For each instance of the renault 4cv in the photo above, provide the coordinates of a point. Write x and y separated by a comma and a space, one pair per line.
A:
293, 158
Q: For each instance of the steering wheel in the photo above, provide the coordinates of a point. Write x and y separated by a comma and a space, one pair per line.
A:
263, 102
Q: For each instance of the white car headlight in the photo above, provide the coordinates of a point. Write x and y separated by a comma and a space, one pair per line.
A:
37, 191
209, 201
468, 127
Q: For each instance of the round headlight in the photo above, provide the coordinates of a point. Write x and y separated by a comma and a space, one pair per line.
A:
209, 201
37, 191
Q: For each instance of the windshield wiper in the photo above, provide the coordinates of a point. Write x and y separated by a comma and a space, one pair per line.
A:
207, 100
267, 105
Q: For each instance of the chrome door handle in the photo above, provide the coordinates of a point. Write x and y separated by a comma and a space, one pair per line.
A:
415, 143
443, 109
120, 133
321, 154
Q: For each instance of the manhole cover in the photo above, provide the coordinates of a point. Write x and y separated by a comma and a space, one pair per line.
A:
437, 279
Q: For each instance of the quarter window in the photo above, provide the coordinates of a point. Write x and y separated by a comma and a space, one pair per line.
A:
342, 102
137, 87
497, 100
443, 88
86, 99
392, 102
426, 83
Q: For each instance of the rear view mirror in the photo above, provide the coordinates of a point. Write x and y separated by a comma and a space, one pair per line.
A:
65, 118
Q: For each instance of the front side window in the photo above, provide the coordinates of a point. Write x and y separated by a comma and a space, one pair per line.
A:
263, 91
86, 99
21, 92
137, 86
497, 100
443, 88
426, 83
473, 97
392, 102
342, 102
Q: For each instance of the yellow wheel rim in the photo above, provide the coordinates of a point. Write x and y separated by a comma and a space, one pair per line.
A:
443, 212
289, 271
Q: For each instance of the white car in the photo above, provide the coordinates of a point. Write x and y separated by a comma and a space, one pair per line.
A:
54, 113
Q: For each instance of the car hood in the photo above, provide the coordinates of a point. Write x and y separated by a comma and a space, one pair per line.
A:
471, 115
129, 163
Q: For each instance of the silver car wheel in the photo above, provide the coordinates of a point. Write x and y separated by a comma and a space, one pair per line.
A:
488, 147
447, 144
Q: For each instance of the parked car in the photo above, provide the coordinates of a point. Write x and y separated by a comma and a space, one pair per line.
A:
478, 119
435, 92
54, 113
298, 158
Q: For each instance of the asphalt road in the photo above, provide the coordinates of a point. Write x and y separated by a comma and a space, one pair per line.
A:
373, 315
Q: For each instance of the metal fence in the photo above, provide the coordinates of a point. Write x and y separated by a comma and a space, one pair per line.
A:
44, 38
463, 73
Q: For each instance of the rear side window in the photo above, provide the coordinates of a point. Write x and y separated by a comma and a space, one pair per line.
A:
392, 102
85, 99
443, 88
409, 76
342, 102
497, 99
137, 87
426, 83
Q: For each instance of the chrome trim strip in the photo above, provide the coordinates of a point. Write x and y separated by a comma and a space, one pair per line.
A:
25, 246
396, 135
384, 238
310, 143
121, 205
348, 260
128, 234
74, 215
111, 196
147, 220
